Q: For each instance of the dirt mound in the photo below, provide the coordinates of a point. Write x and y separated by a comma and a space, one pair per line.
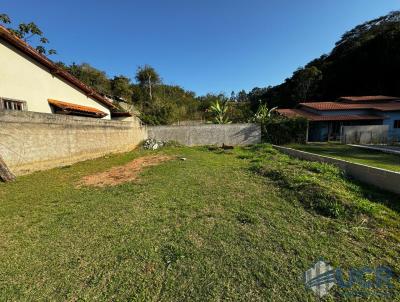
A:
122, 174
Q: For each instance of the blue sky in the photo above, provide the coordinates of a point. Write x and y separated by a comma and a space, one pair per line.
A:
202, 45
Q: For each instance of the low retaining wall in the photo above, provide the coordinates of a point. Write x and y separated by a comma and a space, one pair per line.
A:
32, 141
209, 134
380, 178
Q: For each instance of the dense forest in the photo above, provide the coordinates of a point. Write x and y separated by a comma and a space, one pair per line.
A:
365, 61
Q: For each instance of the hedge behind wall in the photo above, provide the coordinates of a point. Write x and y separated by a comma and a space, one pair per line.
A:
280, 131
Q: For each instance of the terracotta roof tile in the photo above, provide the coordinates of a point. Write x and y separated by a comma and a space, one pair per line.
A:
74, 107
368, 98
315, 117
389, 106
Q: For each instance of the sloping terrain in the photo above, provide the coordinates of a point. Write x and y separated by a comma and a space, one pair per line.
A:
238, 225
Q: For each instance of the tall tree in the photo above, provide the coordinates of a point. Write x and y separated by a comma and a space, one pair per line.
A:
147, 77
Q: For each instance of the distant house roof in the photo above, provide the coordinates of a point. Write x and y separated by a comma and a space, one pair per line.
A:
326, 106
368, 98
53, 68
318, 118
68, 108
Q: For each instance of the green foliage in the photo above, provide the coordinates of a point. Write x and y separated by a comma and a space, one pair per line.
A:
352, 154
5, 19
121, 86
240, 112
263, 114
29, 32
280, 131
180, 234
319, 187
91, 76
220, 112
147, 77
365, 61
305, 81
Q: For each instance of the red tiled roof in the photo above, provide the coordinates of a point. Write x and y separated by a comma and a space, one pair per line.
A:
79, 108
390, 106
53, 68
369, 98
317, 118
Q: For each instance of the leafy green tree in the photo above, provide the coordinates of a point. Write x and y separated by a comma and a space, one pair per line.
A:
305, 81
242, 96
91, 76
147, 77
30, 33
121, 86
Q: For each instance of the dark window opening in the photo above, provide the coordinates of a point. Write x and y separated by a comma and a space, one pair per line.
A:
11, 104
396, 124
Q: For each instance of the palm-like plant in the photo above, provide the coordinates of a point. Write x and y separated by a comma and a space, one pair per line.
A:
220, 112
263, 113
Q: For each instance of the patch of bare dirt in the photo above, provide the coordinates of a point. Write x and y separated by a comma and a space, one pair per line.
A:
122, 174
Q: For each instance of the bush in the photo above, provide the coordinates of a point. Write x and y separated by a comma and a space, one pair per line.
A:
280, 131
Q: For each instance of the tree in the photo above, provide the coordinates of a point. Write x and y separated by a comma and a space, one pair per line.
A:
242, 96
233, 96
121, 86
30, 33
147, 77
305, 80
91, 76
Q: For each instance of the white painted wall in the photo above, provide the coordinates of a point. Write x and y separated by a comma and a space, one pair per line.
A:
23, 79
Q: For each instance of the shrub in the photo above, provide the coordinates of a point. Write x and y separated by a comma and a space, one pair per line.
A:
280, 131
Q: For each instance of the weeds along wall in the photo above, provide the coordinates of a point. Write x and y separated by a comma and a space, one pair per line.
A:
32, 141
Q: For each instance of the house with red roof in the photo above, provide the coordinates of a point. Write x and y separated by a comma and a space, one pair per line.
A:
29, 81
326, 118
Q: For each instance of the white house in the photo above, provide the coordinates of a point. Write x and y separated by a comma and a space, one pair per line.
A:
30, 81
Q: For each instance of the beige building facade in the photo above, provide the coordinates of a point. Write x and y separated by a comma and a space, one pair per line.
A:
31, 82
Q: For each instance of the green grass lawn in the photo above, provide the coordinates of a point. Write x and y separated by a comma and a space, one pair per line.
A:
239, 225
354, 154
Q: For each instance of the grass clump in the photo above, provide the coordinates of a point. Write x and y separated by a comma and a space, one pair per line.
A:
319, 187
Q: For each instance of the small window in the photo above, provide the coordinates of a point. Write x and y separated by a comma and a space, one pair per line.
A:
396, 124
11, 104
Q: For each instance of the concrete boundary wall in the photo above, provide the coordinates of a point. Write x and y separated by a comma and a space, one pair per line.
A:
367, 134
384, 179
31, 141
208, 134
